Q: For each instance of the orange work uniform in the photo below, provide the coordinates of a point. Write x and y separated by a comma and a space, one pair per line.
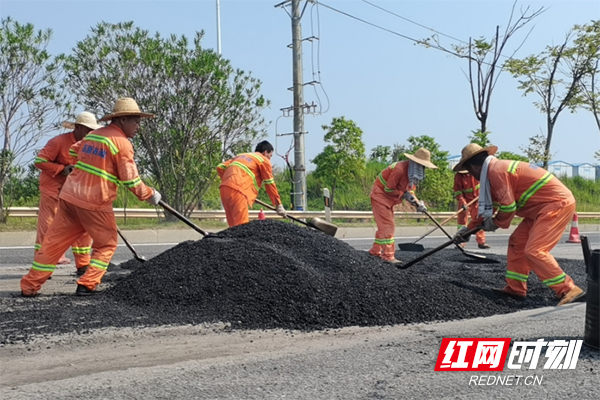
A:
241, 179
386, 192
51, 160
105, 160
466, 188
546, 206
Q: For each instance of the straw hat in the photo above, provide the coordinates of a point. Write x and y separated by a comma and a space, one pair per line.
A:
471, 150
126, 106
86, 119
423, 157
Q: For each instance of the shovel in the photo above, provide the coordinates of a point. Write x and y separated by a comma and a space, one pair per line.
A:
474, 256
183, 219
440, 247
317, 223
130, 247
419, 247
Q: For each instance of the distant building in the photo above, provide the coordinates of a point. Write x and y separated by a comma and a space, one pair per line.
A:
585, 170
560, 169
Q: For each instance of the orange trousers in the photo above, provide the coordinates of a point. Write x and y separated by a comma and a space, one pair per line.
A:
463, 220
235, 204
47, 210
69, 224
529, 250
383, 246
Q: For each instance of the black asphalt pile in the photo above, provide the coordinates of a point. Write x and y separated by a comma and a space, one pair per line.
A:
270, 274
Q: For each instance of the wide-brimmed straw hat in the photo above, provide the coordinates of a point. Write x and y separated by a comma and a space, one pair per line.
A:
126, 106
471, 150
423, 157
86, 119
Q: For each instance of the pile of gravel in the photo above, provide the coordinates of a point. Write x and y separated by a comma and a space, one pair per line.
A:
270, 274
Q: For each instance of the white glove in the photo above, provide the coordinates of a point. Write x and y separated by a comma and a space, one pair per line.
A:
68, 169
461, 236
489, 225
421, 207
154, 199
280, 210
408, 196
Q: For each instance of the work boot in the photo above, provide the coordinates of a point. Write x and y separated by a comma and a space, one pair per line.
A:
484, 246
29, 294
571, 296
83, 291
81, 271
506, 291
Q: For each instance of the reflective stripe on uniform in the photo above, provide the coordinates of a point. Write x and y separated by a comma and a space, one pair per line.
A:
533, 188
245, 168
516, 276
384, 241
40, 160
104, 140
132, 183
98, 264
97, 171
81, 250
555, 281
43, 267
269, 181
512, 167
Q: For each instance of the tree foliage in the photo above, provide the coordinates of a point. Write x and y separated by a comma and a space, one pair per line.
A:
507, 155
31, 100
343, 158
206, 110
480, 138
557, 73
436, 188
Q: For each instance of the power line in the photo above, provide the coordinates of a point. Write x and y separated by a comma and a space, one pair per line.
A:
413, 22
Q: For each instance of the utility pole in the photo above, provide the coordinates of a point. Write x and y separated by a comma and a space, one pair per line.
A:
299, 183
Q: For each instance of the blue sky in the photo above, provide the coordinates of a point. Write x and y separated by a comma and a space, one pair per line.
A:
389, 86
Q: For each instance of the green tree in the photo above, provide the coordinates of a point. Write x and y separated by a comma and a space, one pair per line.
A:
436, 188
556, 75
31, 101
206, 110
536, 151
381, 154
343, 158
480, 138
507, 155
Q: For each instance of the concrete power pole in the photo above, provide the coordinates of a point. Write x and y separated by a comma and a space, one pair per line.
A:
218, 27
299, 165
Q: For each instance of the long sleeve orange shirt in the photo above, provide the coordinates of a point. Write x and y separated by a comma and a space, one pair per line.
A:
523, 189
466, 188
51, 160
246, 173
393, 181
104, 161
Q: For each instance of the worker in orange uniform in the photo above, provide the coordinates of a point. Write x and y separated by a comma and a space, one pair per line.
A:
396, 183
105, 161
466, 189
242, 177
56, 164
544, 203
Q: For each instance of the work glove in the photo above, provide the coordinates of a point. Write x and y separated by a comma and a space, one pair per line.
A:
421, 207
464, 207
154, 199
280, 210
461, 236
68, 169
489, 225
408, 196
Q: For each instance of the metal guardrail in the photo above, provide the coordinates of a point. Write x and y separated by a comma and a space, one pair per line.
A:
32, 212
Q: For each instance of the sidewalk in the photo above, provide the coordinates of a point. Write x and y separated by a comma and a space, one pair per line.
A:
13, 239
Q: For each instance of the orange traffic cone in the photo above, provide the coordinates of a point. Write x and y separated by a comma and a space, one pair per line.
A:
574, 234
261, 214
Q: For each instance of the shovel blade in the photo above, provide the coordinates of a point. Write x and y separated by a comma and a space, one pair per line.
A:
324, 226
411, 247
